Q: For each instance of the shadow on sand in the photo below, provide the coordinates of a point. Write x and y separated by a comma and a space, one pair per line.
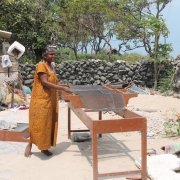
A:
108, 148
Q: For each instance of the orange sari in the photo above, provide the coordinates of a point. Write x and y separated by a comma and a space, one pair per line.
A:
43, 110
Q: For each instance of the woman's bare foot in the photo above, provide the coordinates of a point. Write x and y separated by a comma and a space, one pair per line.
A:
28, 150
47, 153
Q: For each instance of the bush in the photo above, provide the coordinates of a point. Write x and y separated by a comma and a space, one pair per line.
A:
165, 83
25, 59
65, 51
130, 58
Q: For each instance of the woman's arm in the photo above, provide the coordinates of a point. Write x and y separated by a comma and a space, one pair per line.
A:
64, 85
44, 80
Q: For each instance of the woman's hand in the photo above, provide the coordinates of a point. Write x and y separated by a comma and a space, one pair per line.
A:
66, 89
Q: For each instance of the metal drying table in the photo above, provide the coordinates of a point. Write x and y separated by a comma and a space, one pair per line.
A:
82, 101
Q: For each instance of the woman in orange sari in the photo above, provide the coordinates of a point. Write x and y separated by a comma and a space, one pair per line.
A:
43, 110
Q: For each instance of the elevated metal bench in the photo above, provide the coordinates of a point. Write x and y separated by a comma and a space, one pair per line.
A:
81, 102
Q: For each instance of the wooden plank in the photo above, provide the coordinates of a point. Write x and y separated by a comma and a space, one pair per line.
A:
123, 92
82, 116
11, 135
120, 173
75, 100
119, 125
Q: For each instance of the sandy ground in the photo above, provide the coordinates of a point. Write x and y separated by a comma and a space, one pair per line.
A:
72, 160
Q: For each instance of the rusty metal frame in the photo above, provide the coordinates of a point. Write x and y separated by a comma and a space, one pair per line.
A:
129, 121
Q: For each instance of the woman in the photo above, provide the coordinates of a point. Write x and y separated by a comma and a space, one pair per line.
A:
43, 110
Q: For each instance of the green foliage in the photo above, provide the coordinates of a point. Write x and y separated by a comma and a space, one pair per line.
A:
163, 51
86, 56
75, 24
152, 24
59, 60
30, 22
132, 57
171, 129
65, 51
65, 55
165, 83
142, 27
25, 59
171, 125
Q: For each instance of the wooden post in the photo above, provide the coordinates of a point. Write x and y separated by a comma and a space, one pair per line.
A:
69, 122
100, 118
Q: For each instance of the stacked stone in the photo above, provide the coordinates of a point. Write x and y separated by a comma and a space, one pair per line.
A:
98, 72
177, 73
27, 73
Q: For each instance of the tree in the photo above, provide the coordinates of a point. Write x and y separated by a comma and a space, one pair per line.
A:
76, 24
83, 23
159, 52
29, 21
142, 26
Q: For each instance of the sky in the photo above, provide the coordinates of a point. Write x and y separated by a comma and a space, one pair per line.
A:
171, 14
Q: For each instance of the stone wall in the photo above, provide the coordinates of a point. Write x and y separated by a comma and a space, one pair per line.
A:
100, 72
177, 73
